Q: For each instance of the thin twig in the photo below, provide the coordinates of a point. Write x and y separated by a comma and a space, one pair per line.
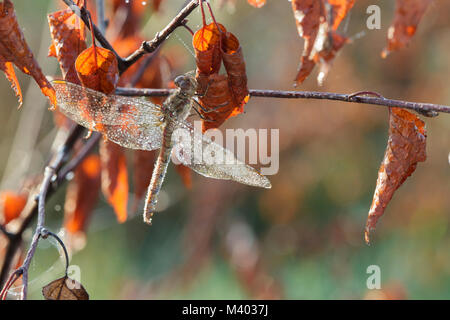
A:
45, 233
49, 186
9, 283
50, 172
8, 234
423, 108
160, 37
31, 209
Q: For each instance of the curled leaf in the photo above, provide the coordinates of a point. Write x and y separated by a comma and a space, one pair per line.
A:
65, 289
317, 22
221, 96
82, 194
406, 147
14, 50
233, 60
68, 41
206, 42
217, 102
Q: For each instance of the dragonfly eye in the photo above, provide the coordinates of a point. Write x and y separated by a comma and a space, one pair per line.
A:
182, 82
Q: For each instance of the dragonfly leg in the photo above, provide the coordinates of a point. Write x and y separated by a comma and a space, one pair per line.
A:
206, 91
215, 109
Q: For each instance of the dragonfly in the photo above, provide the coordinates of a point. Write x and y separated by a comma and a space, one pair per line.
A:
139, 124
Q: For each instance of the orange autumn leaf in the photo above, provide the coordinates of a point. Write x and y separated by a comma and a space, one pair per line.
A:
217, 100
206, 42
68, 41
317, 27
114, 177
11, 205
82, 194
408, 14
221, 96
339, 10
233, 60
98, 69
257, 3
406, 147
14, 50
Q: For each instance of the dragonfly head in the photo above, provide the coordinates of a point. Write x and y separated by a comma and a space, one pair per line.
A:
186, 83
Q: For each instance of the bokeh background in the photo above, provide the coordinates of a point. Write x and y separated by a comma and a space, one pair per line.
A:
303, 239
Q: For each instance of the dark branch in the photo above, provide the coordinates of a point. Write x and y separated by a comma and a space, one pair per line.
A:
147, 46
84, 15
427, 109
160, 37
31, 209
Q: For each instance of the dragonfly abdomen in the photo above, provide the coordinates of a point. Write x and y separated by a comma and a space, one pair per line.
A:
159, 173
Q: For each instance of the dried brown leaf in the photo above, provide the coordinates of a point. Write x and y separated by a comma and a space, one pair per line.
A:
406, 147
408, 14
65, 289
14, 50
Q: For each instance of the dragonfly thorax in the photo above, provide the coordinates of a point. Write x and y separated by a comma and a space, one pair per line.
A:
178, 105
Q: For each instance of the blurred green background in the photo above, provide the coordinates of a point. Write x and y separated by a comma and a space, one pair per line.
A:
303, 239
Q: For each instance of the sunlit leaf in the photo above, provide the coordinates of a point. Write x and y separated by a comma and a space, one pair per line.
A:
82, 194
68, 41
97, 69
14, 50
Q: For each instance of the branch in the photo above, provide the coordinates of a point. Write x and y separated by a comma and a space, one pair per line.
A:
31, 209
8, 234
50, 184
84, 15
427, 109
146, 46
160, 37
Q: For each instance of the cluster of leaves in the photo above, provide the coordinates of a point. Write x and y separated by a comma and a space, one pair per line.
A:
221, 96
317, 23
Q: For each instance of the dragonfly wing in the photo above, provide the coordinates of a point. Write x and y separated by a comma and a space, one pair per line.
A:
222, 165
130, 122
